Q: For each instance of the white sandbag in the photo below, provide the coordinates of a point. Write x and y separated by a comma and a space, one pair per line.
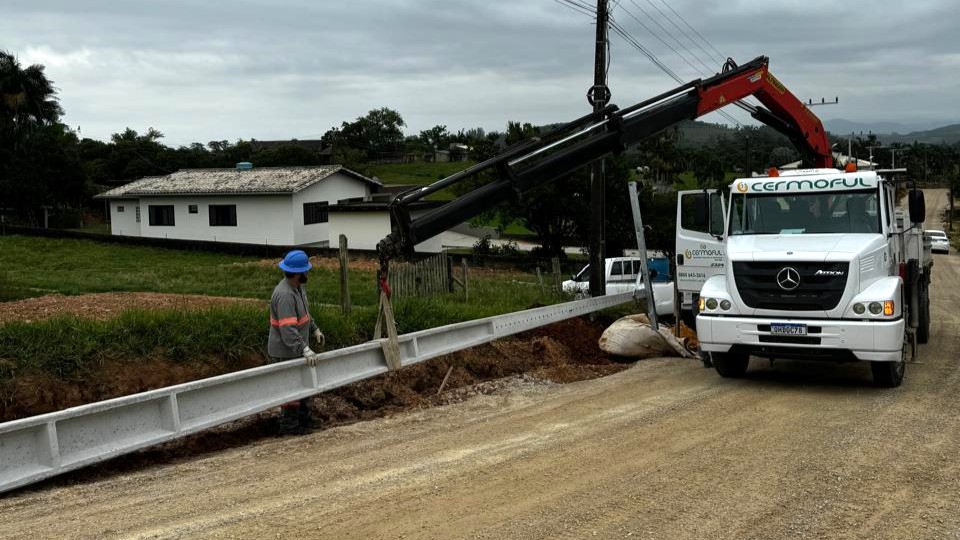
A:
633, 337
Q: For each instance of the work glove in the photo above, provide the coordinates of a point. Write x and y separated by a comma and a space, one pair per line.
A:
311, 357
321, 339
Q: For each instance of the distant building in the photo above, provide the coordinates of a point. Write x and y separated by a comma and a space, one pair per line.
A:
306, 206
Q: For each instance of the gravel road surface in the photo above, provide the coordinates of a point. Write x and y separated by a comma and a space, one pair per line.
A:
665, 449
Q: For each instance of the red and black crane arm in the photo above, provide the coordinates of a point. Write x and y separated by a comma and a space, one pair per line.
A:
539, 160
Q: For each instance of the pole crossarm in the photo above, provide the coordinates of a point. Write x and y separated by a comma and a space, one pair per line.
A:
39, 447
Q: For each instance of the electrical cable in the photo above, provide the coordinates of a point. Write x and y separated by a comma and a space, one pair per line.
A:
669, 33
705, 40
656, 61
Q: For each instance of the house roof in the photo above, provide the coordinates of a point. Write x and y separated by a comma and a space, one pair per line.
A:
259, 180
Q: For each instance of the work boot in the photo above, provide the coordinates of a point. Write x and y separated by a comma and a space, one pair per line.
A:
304, 418
289, 422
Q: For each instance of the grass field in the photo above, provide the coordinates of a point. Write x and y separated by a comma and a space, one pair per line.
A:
420, 173
68, 346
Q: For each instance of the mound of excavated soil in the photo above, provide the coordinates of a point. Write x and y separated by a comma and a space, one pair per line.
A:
104, 306
560, 353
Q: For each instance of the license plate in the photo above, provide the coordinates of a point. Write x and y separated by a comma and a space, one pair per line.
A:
787, 329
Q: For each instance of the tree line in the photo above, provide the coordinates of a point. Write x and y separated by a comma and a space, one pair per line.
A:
43, 163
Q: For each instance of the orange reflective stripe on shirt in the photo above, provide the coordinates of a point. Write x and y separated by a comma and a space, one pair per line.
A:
288, 321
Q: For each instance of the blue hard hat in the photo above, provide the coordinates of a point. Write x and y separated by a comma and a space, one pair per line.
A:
296, 262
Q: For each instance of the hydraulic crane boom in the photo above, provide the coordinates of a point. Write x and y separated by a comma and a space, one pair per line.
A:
536, 161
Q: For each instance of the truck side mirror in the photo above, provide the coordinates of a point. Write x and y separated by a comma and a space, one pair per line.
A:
917, 206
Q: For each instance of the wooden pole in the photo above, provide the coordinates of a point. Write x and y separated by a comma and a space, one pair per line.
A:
448, 267
557, 282
466, 285
345, 306
445, 377
540, 280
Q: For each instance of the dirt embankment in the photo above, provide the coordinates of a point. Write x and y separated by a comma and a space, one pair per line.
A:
559, 353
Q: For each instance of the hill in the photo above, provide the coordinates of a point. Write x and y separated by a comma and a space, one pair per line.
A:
941, 135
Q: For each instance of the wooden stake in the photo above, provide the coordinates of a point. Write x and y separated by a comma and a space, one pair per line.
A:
345, 306
466, 284
445, 377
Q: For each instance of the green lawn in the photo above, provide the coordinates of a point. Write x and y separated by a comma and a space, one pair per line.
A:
66, 266
420, 173
68, 346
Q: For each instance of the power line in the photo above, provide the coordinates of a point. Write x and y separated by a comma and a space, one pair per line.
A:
705, 40
569, 4
669, 33
657, 36
720, 59
656, 61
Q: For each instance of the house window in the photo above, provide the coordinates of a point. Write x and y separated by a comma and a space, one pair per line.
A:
138, 213
192, 209
223, 215
315, 212
161, 215
119, 209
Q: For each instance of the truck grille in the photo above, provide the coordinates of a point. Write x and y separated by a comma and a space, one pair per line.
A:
758, 287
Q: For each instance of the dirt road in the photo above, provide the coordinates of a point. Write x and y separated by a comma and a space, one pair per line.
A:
666, 449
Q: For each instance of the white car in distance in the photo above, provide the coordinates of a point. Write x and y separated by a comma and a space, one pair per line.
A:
939, 242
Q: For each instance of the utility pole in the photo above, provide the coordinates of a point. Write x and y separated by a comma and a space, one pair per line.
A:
598, 96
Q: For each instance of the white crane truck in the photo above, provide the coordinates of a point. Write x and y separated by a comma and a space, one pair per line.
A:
809, 264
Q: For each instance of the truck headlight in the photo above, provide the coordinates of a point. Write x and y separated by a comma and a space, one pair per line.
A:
712, 303
876, 308
725, 305
859, 308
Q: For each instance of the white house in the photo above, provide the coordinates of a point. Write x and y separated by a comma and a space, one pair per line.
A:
365, 222
254, 205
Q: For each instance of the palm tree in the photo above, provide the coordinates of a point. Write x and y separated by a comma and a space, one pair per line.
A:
27, 97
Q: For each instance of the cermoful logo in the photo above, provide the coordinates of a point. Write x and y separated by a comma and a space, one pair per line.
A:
742, 187
703, 253
829, 273
809, 185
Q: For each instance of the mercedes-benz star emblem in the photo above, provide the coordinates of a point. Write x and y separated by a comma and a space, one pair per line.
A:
788, 279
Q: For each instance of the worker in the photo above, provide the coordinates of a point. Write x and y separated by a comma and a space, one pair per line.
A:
290, 329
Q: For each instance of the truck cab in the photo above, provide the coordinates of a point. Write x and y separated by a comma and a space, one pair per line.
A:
808, 264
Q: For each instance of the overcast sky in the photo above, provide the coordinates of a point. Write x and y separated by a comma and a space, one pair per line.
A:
212, 70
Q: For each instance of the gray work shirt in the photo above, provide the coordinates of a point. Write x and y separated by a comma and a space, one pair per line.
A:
290, 321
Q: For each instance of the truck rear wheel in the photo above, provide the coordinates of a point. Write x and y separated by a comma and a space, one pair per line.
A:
888, 374
730, 364
923, 328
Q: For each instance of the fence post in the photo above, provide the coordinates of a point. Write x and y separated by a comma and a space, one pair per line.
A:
466, 285
345, 306
557, 282
540, 280
449, 271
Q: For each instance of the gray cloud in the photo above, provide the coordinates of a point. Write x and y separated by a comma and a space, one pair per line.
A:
200, 71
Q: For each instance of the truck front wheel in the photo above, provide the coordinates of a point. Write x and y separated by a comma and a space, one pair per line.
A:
888, 374
730, 364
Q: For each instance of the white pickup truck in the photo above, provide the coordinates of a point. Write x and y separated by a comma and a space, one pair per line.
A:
621, 276
810, 264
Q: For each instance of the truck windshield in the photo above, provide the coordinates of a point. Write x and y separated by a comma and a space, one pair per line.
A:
805, 213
